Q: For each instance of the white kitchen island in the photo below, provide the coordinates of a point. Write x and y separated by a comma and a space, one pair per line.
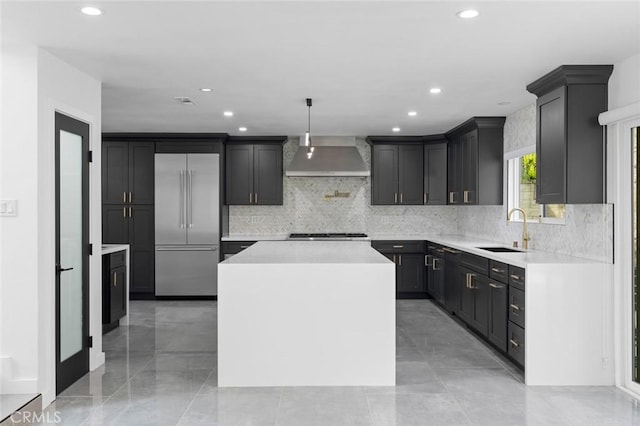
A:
306, 313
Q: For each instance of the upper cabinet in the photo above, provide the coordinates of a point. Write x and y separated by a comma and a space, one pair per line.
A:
254, 171
405, 170
435, 173
475, 154
569, 140
127, 172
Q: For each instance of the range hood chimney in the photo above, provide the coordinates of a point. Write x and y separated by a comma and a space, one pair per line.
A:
332, 156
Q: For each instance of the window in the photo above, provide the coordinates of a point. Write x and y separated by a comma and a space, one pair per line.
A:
521, 190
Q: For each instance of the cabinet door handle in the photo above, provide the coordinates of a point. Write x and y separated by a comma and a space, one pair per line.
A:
395, 198
394, 258
516, 307
251, 198
130, 197
399, 260
448, 250
255, 198
129, 211
401, 198
515, 277
115, 279
124, 197
514, 343
398, 246
244, 247
451, 197
426, 260
494, 285
466, 196
497, 270
433, 264
424, 197
124, 212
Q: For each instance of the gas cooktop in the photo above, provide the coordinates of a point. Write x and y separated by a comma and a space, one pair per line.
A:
328, 236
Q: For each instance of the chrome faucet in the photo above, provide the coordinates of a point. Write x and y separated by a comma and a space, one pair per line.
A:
525, 233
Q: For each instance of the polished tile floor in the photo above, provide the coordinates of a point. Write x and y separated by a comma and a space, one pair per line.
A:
161, 370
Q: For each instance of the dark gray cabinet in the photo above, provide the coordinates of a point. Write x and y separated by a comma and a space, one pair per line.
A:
229, 248
498, 302
397, 174
133, 225
127, 206
435, 174
474, 306
475, 162
114, 276
569, 140
435, 272
127, 172
409, 257
452, 286
516, 323
254, 174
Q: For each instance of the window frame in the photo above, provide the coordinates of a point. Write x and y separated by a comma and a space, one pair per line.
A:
512, 191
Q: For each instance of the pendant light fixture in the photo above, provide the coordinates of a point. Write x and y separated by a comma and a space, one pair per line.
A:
307, 136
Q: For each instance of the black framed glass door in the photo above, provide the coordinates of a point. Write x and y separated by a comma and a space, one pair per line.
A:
72, 250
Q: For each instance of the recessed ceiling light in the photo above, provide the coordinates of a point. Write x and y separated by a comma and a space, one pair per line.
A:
395, 129
412, 113
205, 89
242, 129
91, 11
467, 14
435, 90
228, 113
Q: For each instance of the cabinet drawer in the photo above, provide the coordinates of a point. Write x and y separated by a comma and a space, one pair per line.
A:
476, 263
516, 277
515, 345
516, 306
117, 259
499, 271
233, 247
399, 246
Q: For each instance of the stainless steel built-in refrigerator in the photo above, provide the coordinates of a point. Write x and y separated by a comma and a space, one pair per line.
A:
187, 188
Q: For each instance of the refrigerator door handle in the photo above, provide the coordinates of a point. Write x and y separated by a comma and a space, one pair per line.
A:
181, 199
187, 248
190, 199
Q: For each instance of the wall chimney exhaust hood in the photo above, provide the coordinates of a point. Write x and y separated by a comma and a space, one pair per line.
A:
332, 156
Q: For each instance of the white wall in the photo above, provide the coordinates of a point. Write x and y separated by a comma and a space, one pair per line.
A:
624, 84
35, 85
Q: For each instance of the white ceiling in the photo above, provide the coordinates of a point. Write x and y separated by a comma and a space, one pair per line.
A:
365, 64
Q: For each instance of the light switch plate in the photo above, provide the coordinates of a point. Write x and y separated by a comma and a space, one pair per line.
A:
8, 208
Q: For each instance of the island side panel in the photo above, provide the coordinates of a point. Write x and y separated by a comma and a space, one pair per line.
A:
568, 327
306, 325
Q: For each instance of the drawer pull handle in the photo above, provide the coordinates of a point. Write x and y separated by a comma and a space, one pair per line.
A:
515, 277
399, 246
448, 250
514, 343
497, 270
516, 307
493, 285
244, 247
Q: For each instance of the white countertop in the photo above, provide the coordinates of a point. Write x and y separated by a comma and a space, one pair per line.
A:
295, 252
470, 245
113, 248
255, 237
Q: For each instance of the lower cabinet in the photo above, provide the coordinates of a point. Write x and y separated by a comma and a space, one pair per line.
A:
410, 260
229, 248
435, 264
474, 306
498, 297
114, 286
451, 281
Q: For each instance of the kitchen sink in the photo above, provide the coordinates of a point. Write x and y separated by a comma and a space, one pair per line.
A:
500, 249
